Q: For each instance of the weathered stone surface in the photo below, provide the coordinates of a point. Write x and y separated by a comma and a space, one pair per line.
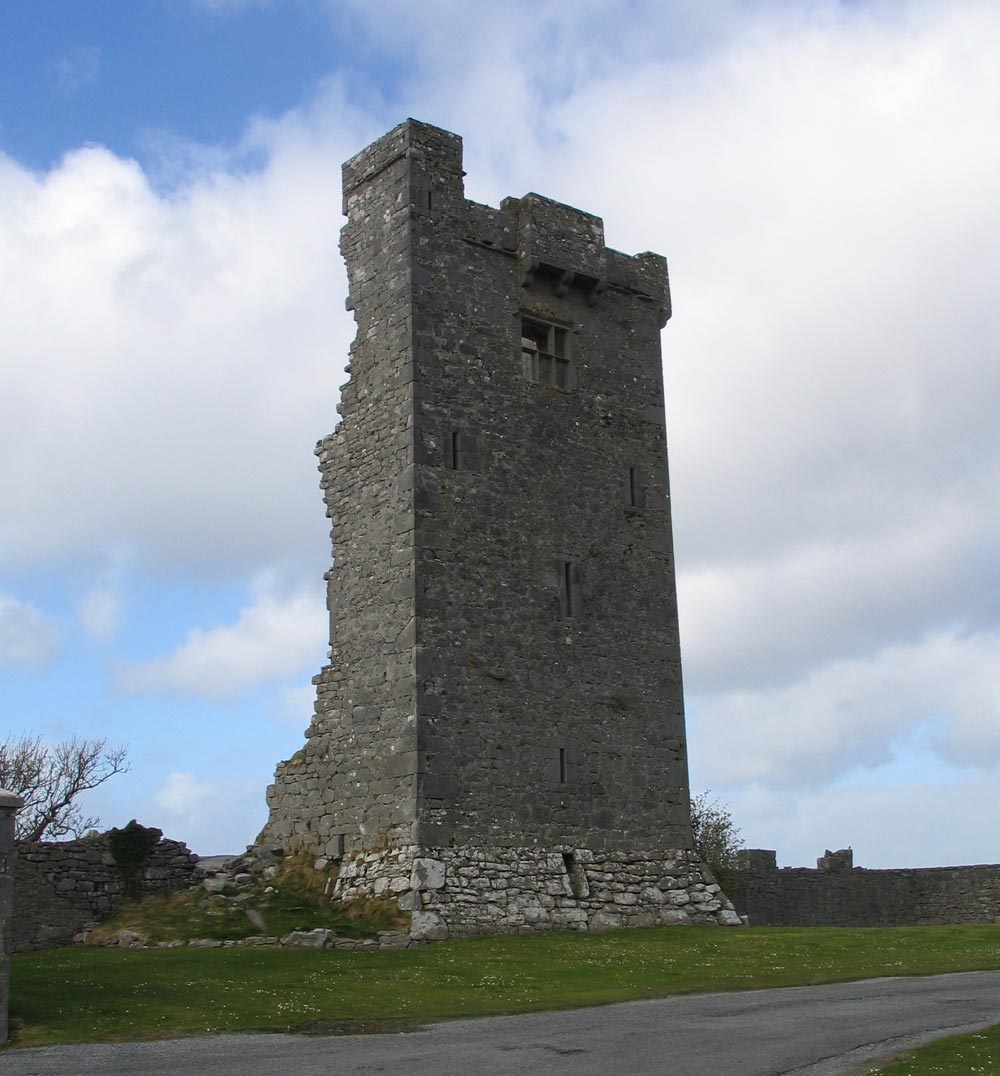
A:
393, 939
428, 926
62, 887
839, 894
308, 939
498, 740
603, 920
428, 873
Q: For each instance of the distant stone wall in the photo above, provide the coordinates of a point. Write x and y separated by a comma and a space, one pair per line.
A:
60, 887
838, 894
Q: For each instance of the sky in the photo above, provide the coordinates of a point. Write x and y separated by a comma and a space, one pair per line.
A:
822, 176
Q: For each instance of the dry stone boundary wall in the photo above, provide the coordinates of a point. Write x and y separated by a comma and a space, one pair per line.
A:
62, 887
838, 894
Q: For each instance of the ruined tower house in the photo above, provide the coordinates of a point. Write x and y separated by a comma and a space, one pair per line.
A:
498, 739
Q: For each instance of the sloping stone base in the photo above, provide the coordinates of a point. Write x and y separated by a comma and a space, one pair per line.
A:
455, 892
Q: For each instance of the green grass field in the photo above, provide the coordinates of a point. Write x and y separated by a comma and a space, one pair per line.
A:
88, 995
977, 1054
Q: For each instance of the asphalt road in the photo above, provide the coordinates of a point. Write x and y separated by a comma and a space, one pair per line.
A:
805, 1031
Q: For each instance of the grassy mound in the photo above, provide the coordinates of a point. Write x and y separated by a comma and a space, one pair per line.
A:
294, 899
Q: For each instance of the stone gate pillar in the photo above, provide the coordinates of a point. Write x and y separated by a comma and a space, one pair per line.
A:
10, 803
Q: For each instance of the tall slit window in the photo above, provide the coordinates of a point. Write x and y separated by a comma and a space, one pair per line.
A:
453, 451
568, 581
545, 353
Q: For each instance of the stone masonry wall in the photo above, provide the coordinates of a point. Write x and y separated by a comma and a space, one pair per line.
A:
470, 890
542, 724
842, 895
504, 695
63, 886
352, 784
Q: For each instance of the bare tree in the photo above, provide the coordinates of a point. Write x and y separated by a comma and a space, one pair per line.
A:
49, 777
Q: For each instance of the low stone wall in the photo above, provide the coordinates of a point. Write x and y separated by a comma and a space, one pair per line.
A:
454, 892
838, 894
62, 887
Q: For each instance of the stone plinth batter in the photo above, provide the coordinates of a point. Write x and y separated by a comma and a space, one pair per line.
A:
499, 737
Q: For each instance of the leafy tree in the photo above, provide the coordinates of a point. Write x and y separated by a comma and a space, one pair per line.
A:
49, 778
717, 840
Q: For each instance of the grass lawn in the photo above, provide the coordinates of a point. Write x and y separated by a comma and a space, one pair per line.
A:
88, 995
975, 1053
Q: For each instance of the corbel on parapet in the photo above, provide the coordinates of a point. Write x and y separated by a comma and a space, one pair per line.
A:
564, 282
526, 269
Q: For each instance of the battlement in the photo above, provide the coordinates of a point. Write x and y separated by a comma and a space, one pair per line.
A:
433, 155
545, 236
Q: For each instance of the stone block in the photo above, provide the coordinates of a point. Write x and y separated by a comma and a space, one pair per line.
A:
308, 939
427, 926
427, 874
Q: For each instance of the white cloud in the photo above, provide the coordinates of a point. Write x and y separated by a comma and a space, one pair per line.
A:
765, 620
100, 612
294, 705
929, 822
213, 817
171, 358
27, 636
278, 636
101, 608
855, 714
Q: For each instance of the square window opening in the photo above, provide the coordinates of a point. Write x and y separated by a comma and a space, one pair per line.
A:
545, 354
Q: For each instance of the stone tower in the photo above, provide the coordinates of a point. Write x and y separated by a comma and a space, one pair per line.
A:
499, 736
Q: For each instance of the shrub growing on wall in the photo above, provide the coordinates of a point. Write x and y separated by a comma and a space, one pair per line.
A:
131, 848
717, 840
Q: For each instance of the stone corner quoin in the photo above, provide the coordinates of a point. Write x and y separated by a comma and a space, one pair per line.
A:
498, 740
